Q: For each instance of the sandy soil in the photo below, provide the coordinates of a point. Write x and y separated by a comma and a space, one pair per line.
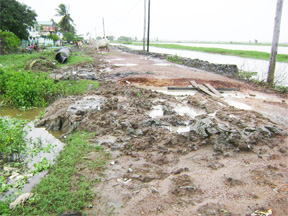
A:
179, 155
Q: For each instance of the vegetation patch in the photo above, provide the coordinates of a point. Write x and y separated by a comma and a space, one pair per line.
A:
65, 188
35, 88
10, 41
77, 87
76, 59
12, 137
248, 76
26, 88
19, 61
174, 59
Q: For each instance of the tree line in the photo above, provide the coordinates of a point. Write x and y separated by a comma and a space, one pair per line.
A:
16, 18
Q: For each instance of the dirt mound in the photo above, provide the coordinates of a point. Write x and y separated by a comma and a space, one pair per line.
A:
40, 64
184, 155
125, 111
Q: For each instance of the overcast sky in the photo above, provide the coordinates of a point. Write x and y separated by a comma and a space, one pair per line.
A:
202, 20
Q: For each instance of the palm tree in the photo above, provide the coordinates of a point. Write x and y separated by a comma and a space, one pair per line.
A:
54, 24
66, 23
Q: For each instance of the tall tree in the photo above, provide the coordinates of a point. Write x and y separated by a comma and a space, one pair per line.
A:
66, 23
54, 24
16, 17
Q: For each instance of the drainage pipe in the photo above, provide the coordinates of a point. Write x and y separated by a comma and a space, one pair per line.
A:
63, 55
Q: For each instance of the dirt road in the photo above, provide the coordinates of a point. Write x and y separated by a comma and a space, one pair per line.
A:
189, 154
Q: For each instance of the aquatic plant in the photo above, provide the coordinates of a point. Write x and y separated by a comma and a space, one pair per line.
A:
12, 136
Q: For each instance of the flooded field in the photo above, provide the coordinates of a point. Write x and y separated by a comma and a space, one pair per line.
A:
260, 48
245, 64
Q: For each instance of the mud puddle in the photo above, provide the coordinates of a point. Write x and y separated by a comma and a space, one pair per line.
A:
42, 150
20, 114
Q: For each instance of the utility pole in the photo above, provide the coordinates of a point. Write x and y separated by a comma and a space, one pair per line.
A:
272, 63
148, 33
103, 27
144, 34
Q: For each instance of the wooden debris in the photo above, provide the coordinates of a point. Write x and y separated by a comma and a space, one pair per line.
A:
212, 89
203, 89
193, 88
193, 83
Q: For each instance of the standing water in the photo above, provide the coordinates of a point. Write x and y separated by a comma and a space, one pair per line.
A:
243, 64
42, 149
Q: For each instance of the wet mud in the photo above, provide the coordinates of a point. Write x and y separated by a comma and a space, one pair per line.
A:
173, 155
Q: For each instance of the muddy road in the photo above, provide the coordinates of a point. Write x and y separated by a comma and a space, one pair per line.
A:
189, 154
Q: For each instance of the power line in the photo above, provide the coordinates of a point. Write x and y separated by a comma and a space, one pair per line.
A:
125, 14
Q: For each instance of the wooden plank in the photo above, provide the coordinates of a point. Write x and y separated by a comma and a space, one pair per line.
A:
202, 88
206, 90
212, 89
193, 83
193, 88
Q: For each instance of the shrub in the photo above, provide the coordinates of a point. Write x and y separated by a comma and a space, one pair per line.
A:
11, 41
26, 88
246, 75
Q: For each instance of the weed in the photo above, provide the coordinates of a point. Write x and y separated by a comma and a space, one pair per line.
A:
175, 59
76, 87
41, 166
246, 75
282, 89
12, 136
4, 208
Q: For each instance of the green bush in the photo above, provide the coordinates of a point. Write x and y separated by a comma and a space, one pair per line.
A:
26, 88
11, 41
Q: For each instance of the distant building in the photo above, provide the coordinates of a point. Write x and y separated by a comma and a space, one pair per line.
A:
43, 29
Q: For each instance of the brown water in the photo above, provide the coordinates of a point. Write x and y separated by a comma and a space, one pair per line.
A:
20, 114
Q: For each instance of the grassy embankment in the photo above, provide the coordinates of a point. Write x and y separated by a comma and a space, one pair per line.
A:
64, 188
27, 88
240, 53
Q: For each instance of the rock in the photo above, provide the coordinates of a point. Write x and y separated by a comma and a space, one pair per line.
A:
90, 87
275, 130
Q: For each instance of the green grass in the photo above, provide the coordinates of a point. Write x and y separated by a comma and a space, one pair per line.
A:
65, 188
22, 88
19, 61
240, 53
78, 87
75, 59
